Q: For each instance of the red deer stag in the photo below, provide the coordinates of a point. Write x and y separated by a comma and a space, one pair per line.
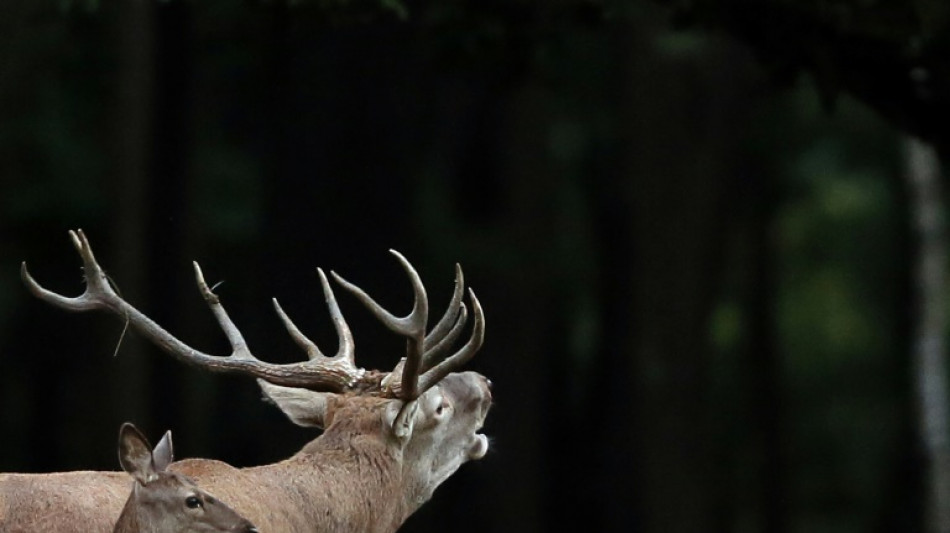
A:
167, 502
389, 439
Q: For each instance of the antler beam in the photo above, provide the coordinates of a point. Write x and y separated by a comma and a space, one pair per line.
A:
422, 367
321, 373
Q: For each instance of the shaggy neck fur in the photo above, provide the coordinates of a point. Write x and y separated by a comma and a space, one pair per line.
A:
348, 479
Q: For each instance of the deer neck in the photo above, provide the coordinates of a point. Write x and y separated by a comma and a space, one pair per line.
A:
351, 484
128, 520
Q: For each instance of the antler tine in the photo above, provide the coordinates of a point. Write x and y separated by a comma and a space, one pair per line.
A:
95, 296
305, 343
411, 326
346, 345
238, 344
459, 358
437, 352
448, 320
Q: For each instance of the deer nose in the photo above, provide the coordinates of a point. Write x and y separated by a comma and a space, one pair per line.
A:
251, 529
487, 389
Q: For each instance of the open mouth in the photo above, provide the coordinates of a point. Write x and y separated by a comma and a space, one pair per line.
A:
479, 447
480, 444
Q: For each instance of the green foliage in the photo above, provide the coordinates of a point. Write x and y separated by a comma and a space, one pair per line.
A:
890, 54
839, 317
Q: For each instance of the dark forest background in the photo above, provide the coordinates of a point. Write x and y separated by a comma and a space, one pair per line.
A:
689, 224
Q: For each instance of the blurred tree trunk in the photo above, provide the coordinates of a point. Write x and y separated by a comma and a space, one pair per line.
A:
683, 130
540, 279
905, 483
150, 228
131, 177
929, 345
173, 235
761, 362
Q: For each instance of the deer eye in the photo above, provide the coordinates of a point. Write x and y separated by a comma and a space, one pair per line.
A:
441, 408
193, 502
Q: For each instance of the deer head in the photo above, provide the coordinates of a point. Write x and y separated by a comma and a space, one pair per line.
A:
423, 413
166, 502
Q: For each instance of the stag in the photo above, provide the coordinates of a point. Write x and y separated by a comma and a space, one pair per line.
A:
389, 438
167, 502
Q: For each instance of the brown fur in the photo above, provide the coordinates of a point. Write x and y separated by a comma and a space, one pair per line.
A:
316, 493
356, 477
66, 502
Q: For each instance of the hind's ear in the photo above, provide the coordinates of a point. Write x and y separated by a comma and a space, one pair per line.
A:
163, 454
135, 454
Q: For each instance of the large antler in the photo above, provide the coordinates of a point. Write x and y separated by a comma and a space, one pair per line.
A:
422, 367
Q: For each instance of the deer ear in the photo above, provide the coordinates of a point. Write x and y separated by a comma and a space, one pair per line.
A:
303, 407
401, 418
163, 454
135, 454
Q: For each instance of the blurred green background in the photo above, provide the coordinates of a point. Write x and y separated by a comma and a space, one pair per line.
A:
688, 224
